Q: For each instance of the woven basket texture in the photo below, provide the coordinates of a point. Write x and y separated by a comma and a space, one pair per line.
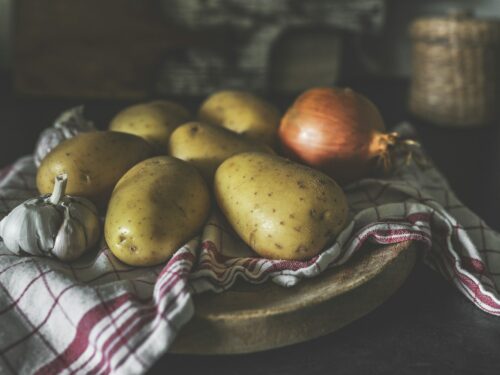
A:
455, 70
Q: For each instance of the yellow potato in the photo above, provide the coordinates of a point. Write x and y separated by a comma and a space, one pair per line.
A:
281, 209
94, 162
156, 207
206, 146
243, 113
153, 121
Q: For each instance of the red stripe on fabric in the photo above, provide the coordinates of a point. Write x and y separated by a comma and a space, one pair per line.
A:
473, 265
138, 325
94, 350
208, 245
120, 333
106, 358
253, 265
154, 328
144, 319
115, 324
474, 288
409, 235
277, 265
164, 287
179, 257
470, 284
168, 284
81, 340
389, 236
84, 327
99, 336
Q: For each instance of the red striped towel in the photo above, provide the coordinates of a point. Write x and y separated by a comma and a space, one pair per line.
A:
98, 315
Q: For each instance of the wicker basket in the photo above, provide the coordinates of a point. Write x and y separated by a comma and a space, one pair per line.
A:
456, 70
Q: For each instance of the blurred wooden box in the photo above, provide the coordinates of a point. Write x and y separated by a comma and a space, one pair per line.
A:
130, 49
90, 48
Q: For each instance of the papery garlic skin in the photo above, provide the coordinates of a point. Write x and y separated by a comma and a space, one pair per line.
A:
54, 225
67, 125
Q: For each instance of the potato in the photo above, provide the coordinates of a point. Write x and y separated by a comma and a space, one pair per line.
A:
94, 162
281, 209
156, 207
153, 121
206, 146
243, 113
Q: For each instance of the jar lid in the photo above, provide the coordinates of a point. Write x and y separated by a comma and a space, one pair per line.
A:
459, 25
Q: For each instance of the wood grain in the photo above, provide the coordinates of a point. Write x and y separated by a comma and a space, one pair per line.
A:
250, 318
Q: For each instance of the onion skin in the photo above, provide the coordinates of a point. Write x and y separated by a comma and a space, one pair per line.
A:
335, 130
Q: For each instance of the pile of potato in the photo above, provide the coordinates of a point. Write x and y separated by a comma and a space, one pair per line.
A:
155, 171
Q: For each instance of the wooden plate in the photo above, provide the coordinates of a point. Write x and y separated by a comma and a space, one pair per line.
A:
250, 318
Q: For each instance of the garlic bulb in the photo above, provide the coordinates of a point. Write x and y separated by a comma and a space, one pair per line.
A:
54, 225
67, 125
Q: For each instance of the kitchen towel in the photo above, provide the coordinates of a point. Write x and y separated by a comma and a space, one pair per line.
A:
98, 315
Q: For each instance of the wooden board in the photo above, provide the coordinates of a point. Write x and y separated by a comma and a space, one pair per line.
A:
250, 318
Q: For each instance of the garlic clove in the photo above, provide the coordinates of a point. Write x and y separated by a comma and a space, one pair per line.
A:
47, 141
70, 241
82, 201
29, 241
11, 228
72, 121
88, 219
47, 219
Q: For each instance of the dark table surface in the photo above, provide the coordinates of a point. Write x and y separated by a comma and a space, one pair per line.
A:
427, 327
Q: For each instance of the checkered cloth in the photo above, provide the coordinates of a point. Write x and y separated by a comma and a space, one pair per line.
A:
98, 315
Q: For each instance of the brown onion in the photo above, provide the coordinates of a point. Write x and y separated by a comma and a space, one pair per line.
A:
338, 131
